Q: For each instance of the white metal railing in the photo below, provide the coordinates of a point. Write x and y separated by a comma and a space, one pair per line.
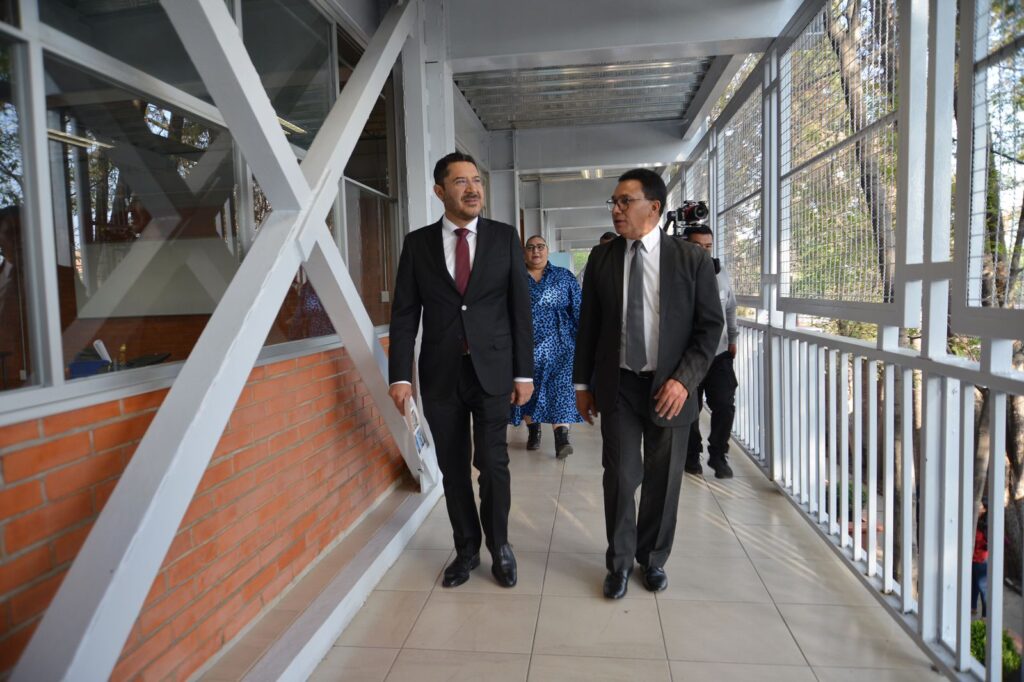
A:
844, 412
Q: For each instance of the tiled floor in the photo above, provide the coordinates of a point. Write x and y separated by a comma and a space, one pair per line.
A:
753, 594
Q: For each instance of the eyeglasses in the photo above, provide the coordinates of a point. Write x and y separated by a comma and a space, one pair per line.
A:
622, 202
535, 247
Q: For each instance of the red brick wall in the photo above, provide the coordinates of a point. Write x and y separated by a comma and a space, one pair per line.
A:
304, 454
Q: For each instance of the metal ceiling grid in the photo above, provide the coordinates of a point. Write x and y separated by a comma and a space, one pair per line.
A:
581, 95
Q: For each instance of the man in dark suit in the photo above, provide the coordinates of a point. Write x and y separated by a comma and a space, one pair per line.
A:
466, 276
649, 324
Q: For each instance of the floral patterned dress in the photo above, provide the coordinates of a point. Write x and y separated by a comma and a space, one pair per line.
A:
555, 303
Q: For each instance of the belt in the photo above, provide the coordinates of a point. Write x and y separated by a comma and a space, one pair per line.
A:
641, 375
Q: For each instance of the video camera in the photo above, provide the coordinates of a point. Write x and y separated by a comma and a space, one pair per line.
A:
691, 212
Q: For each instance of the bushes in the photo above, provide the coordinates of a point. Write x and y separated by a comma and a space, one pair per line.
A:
1011, 658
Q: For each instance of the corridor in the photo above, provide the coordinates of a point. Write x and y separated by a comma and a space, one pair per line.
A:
754, 594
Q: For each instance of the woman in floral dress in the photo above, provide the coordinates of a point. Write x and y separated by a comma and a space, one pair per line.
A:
555, 302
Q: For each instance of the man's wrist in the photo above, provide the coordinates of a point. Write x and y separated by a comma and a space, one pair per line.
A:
523, 380
581, 387
396, 383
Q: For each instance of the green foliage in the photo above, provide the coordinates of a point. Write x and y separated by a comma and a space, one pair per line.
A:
979, 636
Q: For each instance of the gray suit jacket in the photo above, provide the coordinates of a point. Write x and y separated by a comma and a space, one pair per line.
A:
690, 323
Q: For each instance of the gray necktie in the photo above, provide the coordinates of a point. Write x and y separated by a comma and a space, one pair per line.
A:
636, 350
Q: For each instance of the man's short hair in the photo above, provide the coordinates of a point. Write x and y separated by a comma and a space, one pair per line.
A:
697, 229
654, 186
441, 167
607, 237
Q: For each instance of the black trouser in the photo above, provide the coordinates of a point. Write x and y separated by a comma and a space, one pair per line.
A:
646, 535
719, 386
449, 419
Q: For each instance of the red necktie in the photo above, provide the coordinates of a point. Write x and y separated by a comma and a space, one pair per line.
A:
462, 266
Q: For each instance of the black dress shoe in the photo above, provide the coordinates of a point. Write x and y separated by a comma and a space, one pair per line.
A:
721, 467
693, 466
615, 584
655, 579
457, 572
503, 566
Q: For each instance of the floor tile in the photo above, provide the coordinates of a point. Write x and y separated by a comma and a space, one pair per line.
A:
761, 511
727, 633
385, 619
812, 582
713, 579
457, 666
469, 621
851, 636
786, 543
581, 532
589, 669
435, 533
754, 485
576, 626
416, 570
696, 671
355, 664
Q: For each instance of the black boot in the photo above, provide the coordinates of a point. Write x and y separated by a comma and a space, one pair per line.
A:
533, 441
562, 447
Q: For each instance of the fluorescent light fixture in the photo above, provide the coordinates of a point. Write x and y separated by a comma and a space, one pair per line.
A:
290, 127
585, 173
76, 140
598, 173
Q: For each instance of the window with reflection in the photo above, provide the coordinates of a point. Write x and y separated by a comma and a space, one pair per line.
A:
145, 222
9, 12
290, 46
137, 33
15, 343
371, 206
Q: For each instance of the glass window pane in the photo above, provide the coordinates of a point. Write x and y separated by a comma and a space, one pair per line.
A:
140, 35
15, 344
145, 222
290, 45
9, 12
370, 220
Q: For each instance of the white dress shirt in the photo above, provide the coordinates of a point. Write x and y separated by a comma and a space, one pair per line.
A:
450, 240
650, 245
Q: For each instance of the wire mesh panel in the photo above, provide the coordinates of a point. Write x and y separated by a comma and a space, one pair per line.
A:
995, 247
739, 145
697, 188
740, 236
739, 199
839, 155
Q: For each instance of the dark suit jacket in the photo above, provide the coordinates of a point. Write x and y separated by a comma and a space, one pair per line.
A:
690, 322
494, 316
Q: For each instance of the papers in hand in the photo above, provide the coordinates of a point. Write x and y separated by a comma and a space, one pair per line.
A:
412, 420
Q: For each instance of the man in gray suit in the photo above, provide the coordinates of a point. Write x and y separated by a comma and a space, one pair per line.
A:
649, 324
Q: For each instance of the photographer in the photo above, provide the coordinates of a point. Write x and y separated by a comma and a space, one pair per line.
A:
719, 385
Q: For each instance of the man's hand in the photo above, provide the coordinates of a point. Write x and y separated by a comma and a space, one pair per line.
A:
732, 349
670, 397
585, 405
521, 392
399, 394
